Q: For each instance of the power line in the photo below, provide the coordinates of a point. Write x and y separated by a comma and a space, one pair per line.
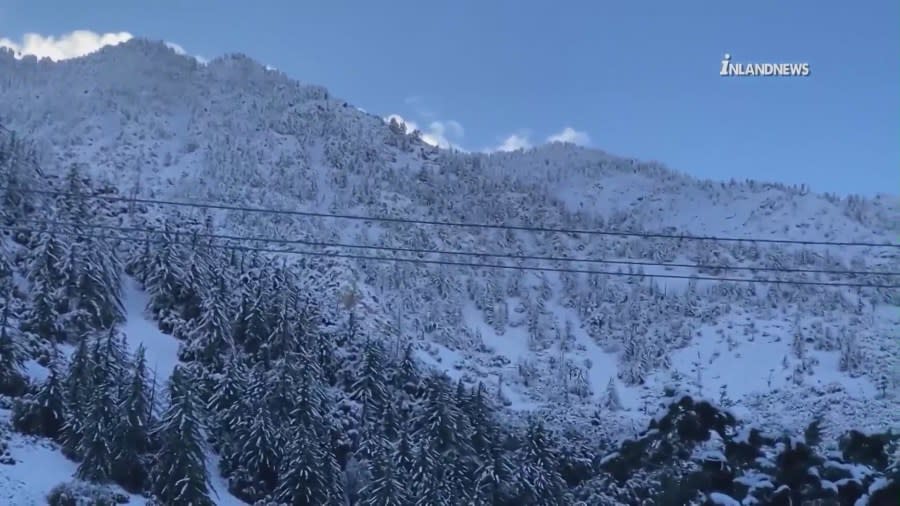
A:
386, 219
459, 252
471, 264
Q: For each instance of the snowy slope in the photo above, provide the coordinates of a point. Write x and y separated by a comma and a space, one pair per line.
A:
162, 355
158, 125
39, 464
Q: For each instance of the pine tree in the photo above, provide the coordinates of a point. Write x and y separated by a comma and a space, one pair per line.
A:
43, 412
99, 285
427, 477
260, 446
224, 403
538, 474
493, 476
75, 206
179, 475
6, 267
74, 319
612, 401
43, 317
332, 475
212, 336
249, 327
369, 388
12, 358
282, 380
439, 421
302, 482
195, 265
310, 396
163, 280
96, 447
403, 453
50, 399
77, 390
115, 353
385, 488
406, 373
132, 430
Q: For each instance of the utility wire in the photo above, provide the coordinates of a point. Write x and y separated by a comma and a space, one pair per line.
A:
457, 252
385, 219
468, 264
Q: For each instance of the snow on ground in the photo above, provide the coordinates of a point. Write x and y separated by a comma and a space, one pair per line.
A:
161, 350
724, 361
512, 345
38, 469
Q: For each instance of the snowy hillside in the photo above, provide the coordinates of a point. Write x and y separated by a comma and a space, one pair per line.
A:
37, 464
142, 122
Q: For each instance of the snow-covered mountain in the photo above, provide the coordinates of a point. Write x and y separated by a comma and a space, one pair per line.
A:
156, 125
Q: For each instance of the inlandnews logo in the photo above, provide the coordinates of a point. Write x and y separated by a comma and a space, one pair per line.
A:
729, 69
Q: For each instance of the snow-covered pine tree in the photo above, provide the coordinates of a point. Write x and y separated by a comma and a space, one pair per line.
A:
12, 358
115, 353
322, 348
195, 264
99, 288
163, 279
310, 397
483, 427
42, 318
282, 380
438, 421
91, 269
283, 338
50, 400
406, 372
612, 401
75, 320
249, 328
386, 487
427, 477
96, 447
370, 387
332, 474
17, 162
259, 447
77, 393
179, 475
850, 356
211, 338
302, 480
132, 430
538, 475
635, 360
493, 476
225, 402
403, 457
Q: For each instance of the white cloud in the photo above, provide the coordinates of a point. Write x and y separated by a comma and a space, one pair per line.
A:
70, 45
514, 142
74, 44
175, 47
180, 50
572, 136
439, 133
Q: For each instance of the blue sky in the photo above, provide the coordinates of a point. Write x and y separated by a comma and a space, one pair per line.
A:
637, 78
